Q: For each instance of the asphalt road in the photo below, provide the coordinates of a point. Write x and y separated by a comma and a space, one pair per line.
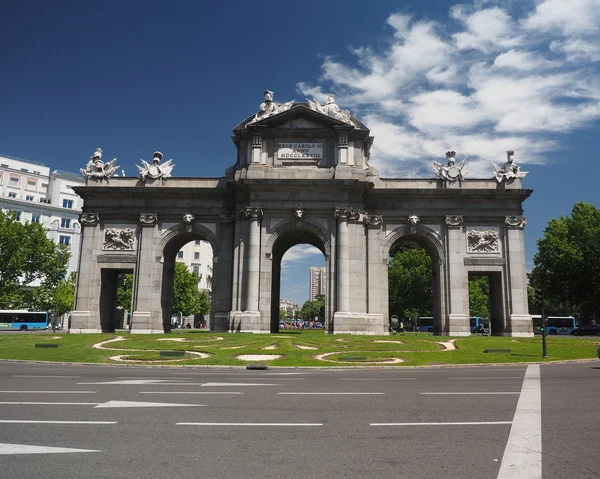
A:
157, 422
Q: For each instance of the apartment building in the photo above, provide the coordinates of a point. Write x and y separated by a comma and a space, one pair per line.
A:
198, 257
318, 282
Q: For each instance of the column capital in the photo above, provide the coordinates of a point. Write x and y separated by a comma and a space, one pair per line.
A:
454, 221
373, 221
253, 213
515, 221
256, 141
89, 219
346, 214
148, 219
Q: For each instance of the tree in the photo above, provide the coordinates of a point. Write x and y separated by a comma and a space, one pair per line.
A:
27, 255
410, 283
314, 309
567, 264
124, 290
63, 296
282, 314
479, 296
186, 296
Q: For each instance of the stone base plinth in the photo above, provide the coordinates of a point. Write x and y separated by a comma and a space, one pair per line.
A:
245, 322
142, 322
219, 322
521, 326
359, 323
81, 322
458, 325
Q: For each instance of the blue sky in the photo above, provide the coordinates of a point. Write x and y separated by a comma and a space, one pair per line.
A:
425, 76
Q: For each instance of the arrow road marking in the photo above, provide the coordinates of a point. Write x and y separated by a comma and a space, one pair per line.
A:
114, 404
7, 449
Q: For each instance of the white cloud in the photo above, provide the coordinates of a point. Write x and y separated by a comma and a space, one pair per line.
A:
486, 80
297, 254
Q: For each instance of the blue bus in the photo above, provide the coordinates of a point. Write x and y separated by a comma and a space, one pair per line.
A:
22, 320
425, 324
556, 324
479, 324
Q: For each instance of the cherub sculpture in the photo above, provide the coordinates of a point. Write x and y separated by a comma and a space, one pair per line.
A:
509, 170
155, 170
97, 170
451, 172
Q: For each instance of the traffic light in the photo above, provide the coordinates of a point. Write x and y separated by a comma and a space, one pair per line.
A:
539, 296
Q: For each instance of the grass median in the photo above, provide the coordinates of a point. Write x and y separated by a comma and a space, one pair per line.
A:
290, 348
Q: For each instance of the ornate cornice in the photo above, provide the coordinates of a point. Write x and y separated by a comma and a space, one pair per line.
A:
346, 214
515, 221
89, 219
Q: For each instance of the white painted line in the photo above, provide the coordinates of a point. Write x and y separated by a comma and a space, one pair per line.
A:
332, 394
289, 424
189, 392
136, 382
237, 384
116, 404
491, 377
50, 369
150, 378
34, 376
12, 449
458, 394
484, 423
50, 392
267, 379
523, 453
18, 421
375, 379
34, 403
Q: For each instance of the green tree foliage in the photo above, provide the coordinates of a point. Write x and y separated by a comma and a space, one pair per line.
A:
63, 296
567, 264
186, 297
314, 309
124, 290
479, 296
410, 282
282, 314
27, 255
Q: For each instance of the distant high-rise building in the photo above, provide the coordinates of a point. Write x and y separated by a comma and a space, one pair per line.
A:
318, 281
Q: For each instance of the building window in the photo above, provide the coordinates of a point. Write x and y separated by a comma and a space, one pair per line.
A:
29, 198
180, 254
198, 242
66, 240
35, 218
14, 181
31, 185
67, 203
3, 165
196, 270
65, 223
12, 194
196, 255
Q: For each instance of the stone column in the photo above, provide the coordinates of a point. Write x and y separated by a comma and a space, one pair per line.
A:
457, 279
85, 317
343, 273
253, 274
376, 275
147, 308
520, 320
256, 149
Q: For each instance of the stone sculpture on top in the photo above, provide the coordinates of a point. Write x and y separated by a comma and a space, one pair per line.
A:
451, 172
509, 170
330, 109
269, 107
155, 170
97, 170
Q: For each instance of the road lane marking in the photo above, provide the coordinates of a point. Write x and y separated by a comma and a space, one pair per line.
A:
331, 394
12, 449
523, 453
115, 404
39, 376
482, 423
375, 379
237, 384
189, 392
490, 377
129, 382
474, 393
254, 378
277, 424
46, 403
19, 421
50, 392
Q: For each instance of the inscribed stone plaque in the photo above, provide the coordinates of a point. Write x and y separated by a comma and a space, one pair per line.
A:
300, 151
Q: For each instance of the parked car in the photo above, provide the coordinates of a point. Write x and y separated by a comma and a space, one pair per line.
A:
587, 329
319, 326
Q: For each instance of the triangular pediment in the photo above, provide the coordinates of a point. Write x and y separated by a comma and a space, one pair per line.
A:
299, 116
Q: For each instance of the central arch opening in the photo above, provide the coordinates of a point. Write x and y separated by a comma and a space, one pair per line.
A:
414, 285
298, 246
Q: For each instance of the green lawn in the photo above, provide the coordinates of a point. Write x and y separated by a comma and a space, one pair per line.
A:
295, 348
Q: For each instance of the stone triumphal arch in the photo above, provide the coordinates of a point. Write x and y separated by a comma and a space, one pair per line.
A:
302, 175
